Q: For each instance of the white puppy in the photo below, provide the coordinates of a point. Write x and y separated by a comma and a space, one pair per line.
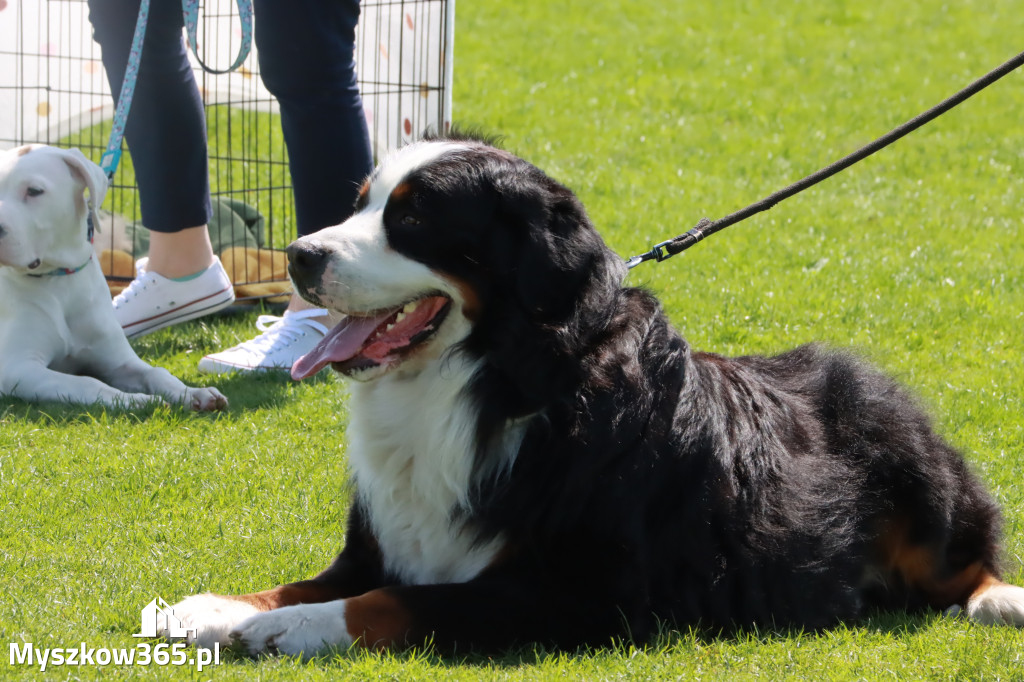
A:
58, 336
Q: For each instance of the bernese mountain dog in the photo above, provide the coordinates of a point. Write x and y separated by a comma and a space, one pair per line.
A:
539, 457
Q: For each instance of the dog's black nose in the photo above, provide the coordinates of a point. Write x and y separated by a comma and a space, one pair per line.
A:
305, 257
306, 263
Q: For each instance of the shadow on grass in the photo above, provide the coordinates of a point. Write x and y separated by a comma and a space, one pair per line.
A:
264, 390
668, 639
53, 413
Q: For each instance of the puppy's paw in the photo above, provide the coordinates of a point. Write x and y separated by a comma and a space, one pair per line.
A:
297, 630
205, 399
134, 401
1000, 604
208, 618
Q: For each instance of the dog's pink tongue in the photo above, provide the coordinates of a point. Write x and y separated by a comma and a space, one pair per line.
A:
341, 343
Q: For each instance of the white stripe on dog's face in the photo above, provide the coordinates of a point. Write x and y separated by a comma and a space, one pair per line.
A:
363, 273
400, 163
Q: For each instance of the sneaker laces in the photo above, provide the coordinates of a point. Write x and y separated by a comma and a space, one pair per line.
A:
279, 332
137, 285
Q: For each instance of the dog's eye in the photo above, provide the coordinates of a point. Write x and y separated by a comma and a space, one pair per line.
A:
34, 191
409, 219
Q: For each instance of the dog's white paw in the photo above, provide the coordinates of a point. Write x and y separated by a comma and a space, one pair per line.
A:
297, 630
212, 617
205, 399
1000, 604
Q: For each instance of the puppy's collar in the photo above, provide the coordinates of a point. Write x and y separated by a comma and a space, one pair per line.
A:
60, 272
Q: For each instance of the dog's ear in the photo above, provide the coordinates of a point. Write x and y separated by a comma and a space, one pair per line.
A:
561, 256
94, 178
560, 283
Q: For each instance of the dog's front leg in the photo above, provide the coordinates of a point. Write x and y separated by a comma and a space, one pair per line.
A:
484, 615
211, 617
136, 375
35, 382
357, 569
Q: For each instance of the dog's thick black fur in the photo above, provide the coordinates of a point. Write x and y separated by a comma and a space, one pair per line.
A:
661, 482
654, 482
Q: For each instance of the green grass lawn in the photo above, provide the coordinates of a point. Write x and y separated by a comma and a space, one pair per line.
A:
657, 113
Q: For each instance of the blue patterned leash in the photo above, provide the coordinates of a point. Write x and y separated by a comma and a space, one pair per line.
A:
112, 157
190, 11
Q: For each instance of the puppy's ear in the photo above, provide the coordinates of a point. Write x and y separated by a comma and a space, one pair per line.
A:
26, 148
94, 178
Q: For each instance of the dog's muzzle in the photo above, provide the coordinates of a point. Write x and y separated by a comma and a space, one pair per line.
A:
306, 265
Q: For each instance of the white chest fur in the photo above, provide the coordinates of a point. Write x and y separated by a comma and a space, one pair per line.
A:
411, 446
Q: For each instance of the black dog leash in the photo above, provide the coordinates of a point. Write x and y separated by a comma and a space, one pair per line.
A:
706, 227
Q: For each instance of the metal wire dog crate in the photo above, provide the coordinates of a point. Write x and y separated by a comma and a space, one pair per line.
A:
53, 90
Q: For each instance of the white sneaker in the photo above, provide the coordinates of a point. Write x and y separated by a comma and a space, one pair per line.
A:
153, 301
283, 341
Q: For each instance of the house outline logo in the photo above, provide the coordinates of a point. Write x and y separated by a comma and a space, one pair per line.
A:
151, 613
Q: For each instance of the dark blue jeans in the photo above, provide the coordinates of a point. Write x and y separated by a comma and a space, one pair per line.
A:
306, 53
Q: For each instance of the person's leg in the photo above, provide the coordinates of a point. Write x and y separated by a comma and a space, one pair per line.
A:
307, 60
166, 133
166, 129
182, 253
322, 116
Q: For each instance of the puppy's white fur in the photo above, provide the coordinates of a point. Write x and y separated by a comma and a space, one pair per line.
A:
59, 339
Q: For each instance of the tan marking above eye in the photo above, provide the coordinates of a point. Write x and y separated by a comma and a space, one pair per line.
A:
364, 193
402, 191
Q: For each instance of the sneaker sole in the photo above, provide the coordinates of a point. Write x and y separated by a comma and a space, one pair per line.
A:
190, 311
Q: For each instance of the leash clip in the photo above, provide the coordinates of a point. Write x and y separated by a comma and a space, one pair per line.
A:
656, 253
109, 161
659, 253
